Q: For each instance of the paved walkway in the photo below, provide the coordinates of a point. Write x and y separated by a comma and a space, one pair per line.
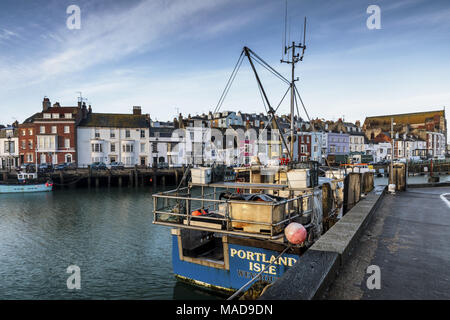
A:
409, 239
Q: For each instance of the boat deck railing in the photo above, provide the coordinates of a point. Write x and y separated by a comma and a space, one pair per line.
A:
256, 219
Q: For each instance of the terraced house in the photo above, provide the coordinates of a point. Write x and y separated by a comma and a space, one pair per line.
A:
49, 136
113, 137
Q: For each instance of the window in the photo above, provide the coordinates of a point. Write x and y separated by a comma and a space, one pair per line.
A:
127, 148
97, 133
30, 144
53, 129
97, 147
66, 143
112, 133
42, 129
29, 157
142, 133
67, 115
24, 144
127, 133
142, 147
113, 147
154, 147
47, 115
30, 132
55, 115
24, 132
66, 129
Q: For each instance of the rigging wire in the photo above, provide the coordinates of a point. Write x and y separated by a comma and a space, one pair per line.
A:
230, 81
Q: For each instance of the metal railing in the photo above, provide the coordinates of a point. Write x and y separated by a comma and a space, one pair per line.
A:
261, 219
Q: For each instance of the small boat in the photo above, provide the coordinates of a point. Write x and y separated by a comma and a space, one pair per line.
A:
26, 182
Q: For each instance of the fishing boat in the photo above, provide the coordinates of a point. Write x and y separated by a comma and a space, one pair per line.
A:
231, 235
225, 234
26, 182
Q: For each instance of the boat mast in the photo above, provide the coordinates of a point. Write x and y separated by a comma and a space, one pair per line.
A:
295, 57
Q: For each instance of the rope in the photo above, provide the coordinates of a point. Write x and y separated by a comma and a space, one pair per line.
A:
257, 276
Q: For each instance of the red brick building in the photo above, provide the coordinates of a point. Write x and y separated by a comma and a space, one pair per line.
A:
50, 136
304, 146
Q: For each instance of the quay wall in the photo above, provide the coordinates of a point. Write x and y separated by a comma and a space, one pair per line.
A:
128, 177
319, 265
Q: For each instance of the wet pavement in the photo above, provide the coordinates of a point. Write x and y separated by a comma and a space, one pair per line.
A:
408, 238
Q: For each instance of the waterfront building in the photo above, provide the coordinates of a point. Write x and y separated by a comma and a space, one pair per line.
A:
9, 151
111, 137
50, 136
161, 144
380, 151
309, 146
435, 144
356, 141
338, 143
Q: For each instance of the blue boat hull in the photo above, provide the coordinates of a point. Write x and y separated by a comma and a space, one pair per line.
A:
25, 188
244, 262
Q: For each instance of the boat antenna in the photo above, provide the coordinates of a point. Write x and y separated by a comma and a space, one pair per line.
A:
292, 60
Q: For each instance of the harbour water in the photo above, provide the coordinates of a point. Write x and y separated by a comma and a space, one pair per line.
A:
108, 233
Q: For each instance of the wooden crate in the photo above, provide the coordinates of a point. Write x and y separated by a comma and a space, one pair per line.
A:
256, 213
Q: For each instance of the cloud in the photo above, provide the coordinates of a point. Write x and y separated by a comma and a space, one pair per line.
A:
111, 34
6, 34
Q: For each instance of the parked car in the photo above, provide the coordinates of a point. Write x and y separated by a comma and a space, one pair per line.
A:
71, 165
61, 166
45, 167
27, 167
65, 166
163, 165
116, 165
98, 166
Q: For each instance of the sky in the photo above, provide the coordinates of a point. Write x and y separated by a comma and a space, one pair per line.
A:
176, 56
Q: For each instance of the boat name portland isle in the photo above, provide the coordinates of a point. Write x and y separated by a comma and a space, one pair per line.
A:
259, 261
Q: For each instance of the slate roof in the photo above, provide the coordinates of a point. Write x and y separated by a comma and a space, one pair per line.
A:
115, 120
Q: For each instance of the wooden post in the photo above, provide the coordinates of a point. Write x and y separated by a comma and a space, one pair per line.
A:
61, 178
130, 181
120, 181
136, 181
352, 190
164, 180
97, 182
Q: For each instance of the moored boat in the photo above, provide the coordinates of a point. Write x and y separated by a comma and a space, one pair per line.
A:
26, 182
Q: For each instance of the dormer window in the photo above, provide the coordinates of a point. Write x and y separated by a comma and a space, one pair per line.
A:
67, 115
47, 115
55, 115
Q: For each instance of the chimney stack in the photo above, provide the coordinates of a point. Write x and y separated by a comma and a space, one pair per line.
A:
56, 105
46, 104
137, 110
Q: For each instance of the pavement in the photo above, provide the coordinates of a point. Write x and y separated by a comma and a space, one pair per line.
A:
408, 238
